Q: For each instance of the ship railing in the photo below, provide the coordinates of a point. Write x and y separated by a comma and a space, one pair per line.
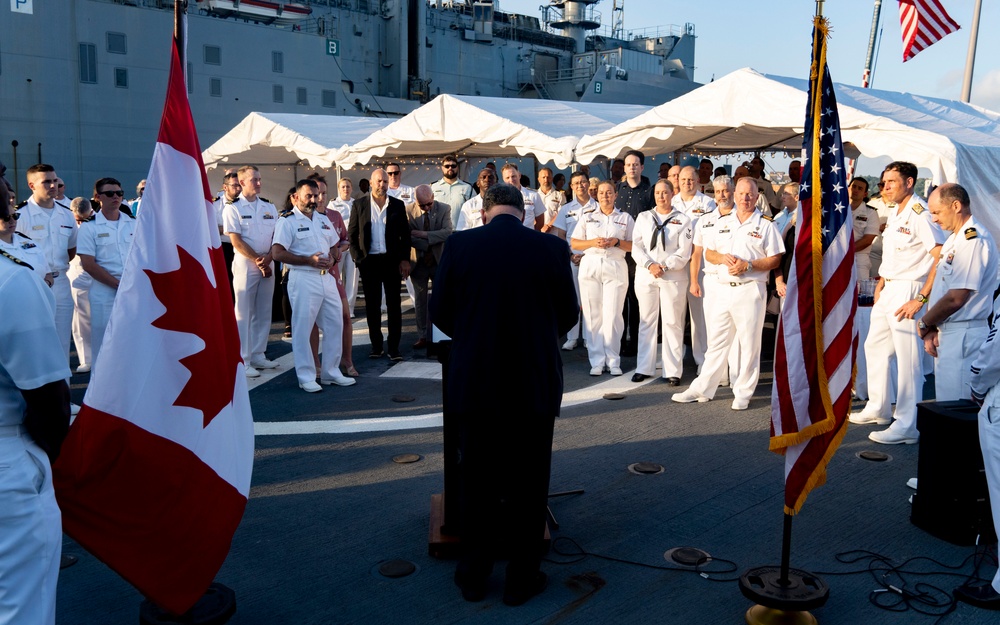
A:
650, 32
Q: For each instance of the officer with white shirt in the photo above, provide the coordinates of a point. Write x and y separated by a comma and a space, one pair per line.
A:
52, 227
249, 222
306, 242
661, 248
471, 215
343, 204
693, 203
563, 227
747, 247
866, 227
22, 250
911, 247
104, 246
534, 205
398, 190
961, 302
603, 236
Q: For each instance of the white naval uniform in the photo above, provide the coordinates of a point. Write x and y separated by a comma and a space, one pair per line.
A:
24, 249
54, 230
109, 243
80, 283
471, 215
314, 295
737, 312
968, 261
908, 239
566, 220
254, 222
694, 208
984, 382
403, 193
31, 356
664, 240
711, 288
866, 221
348, 270
534, 206
603, 282
552, 201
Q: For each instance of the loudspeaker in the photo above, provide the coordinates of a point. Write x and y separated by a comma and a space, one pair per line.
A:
952, 501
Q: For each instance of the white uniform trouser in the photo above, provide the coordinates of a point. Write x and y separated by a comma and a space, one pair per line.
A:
710, 292
989, 442
315, 301
64, 310
736, 313
603, 283
349, 273
102, 298
253, 307
959, 344
661, 298
696, 310
863, 264
30, 532
579, 330
890, 339
81, 325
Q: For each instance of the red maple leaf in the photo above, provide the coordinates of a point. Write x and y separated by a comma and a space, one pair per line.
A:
196, 307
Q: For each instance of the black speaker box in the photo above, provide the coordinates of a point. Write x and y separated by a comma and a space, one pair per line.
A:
952, 501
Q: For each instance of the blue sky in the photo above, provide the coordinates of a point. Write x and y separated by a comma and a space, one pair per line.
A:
775, 37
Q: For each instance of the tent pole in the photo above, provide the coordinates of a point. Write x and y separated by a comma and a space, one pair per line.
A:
970, 59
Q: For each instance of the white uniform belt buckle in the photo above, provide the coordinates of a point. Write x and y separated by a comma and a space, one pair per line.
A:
736, 284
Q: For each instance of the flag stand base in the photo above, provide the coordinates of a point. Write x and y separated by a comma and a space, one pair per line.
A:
782, 600
216, 607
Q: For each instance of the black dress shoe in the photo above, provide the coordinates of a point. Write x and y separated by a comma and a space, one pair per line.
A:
673, 381
980, 596
519, 594
376, 354
473, 588
639, 377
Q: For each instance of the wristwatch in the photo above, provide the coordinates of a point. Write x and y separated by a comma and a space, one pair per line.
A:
749, 265
921, 298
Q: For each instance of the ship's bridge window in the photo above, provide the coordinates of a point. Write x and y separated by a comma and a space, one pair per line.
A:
88, 63
329, 98
117, 43
213, 55
277, 62
121, 77
302, 96
215, 87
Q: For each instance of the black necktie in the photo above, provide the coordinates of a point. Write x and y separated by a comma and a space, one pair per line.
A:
659, 229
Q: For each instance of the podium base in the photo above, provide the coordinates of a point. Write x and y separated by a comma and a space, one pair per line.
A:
449, 546
760, 615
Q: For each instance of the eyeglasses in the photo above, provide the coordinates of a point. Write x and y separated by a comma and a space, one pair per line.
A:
14, 216
450, 166
119, 193
392, 173
62, 186
427, 205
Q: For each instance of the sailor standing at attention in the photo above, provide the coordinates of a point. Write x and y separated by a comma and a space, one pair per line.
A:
249, 222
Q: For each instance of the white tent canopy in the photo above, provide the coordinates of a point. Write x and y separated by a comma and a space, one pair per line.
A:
747, 111
490, 127
280, 139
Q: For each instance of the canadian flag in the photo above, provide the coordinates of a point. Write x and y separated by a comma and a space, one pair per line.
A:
155, 472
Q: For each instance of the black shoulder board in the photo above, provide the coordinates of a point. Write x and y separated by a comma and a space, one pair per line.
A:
285, 213
21, 205
265, 199
970, 233
21, 234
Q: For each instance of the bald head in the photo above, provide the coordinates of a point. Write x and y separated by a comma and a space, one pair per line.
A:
424, 195
379, 184
746, 195
686, 181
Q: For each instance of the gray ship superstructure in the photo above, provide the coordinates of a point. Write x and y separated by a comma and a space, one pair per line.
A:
82, 81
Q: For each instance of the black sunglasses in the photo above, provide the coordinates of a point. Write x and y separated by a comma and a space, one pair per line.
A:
119, 193
14, 216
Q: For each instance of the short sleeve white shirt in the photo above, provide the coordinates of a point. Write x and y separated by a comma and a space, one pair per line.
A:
26, 250
108, 242
866, 221
471, 215
52, 229
404, 193
305, 236
754, 239
907, 240
694, 208
597, 225
968, 261
569, 216
253, 221
534, 206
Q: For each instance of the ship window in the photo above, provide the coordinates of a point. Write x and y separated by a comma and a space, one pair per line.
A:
121, 77
215, 87
213, 55
117, 43
278, 93
302, 96
277, 62
329, 98
88, 63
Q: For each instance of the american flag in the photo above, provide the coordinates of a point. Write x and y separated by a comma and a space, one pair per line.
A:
817, 340
923, 23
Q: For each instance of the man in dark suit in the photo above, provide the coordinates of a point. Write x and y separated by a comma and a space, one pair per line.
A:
379, 234
430, 225
503, 321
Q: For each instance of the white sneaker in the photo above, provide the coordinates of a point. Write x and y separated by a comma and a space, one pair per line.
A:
867, 418
888, 437
569, 345
251, 372
83, 368
596, 370
263, 363
339, 380
688, 396
616, 370
741, 404
310, 387
74, 409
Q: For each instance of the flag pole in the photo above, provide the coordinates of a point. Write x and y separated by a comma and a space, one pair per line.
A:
180, 9
870, 58
970, 59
